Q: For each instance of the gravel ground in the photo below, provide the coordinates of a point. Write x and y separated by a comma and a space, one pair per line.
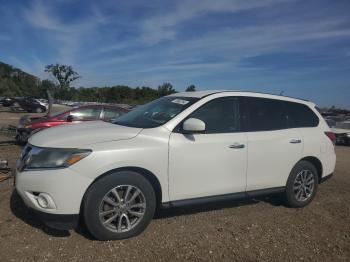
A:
260, 229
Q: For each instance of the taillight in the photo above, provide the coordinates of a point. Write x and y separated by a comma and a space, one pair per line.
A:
331, 136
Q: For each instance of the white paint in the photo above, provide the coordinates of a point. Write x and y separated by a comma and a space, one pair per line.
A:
187, 166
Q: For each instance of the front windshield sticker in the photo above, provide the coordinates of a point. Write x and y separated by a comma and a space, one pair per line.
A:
180, 101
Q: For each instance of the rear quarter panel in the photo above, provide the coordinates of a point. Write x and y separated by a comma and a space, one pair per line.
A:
317, 144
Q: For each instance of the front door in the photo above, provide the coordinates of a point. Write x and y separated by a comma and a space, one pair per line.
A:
211, 163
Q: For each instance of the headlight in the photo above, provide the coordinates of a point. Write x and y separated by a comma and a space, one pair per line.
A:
38, 158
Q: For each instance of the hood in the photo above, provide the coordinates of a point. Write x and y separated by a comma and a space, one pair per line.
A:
82, 134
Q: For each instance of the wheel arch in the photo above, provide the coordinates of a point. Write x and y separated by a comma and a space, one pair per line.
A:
316, 163
142, 171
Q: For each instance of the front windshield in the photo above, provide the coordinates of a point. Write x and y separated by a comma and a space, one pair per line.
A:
155, 113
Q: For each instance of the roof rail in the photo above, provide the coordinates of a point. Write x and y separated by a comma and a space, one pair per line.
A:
264, 93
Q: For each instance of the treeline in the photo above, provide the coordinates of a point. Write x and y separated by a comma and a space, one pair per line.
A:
114, 94
14, 82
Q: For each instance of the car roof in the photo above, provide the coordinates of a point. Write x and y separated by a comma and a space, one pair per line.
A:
198, 94
202, 94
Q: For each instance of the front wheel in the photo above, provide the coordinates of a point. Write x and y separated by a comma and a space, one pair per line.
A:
119, 206
301, 185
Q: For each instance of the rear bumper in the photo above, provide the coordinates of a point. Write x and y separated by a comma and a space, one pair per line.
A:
60, 222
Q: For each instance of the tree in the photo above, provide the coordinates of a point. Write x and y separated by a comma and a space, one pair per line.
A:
166, 89
47, 85
64, 75
191, 88
15, 82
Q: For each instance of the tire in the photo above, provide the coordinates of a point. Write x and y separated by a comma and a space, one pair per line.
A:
297, 189
94, 204
38, 110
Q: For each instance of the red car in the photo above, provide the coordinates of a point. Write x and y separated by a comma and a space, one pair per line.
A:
28, 126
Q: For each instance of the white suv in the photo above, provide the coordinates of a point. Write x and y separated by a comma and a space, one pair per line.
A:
181, 149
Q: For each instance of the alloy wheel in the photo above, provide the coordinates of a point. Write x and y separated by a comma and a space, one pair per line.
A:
304, 185
122, 208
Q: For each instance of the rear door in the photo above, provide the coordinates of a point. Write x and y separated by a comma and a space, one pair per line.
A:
273, 148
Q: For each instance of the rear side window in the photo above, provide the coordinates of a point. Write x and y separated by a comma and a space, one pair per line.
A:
300, 115
82, 114
264, 114
110, 114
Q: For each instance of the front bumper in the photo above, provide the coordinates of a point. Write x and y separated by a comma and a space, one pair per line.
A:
60, 222
64, 186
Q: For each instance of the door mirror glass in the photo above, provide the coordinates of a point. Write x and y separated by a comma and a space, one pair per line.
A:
193, 125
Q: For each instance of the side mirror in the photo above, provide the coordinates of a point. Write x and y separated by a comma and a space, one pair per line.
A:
193, 125
70, 118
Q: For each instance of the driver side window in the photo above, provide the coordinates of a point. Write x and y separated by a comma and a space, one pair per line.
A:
220, 115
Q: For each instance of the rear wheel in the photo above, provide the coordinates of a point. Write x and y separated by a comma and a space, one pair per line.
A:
38, 110
301, 185
119, 206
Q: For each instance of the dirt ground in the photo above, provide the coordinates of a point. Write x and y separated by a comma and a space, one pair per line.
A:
251, 230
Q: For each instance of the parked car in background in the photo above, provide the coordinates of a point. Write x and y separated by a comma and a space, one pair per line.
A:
181, 149
330, 122
342, 133
26, 103
31, 105
7, 101
28, 125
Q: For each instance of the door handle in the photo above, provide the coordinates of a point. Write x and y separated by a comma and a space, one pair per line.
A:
237, 146
295, 141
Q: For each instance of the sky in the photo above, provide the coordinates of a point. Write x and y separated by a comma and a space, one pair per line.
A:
300, 48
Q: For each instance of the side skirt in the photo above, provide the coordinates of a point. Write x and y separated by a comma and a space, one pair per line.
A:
218, 198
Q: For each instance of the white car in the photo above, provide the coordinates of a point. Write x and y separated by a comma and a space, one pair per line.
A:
181, 149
